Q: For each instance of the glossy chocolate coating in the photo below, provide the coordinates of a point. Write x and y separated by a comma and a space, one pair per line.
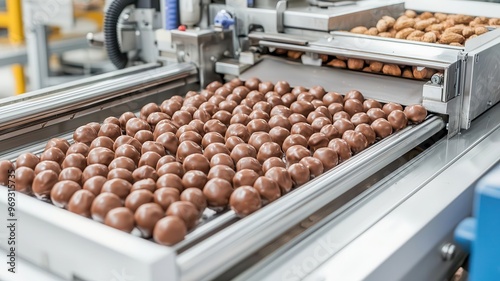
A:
104, 203
240, 118
62, 192
104, 156
120, 218
171, 168
268, 189
317, 103
164, 160
169, 231
187, 211
320, 122
298, 89
314, 165
124, 118
144, 172
317, 91
198, 125
169, 142
360, 118
245, 200
187, 148
268, 150
252, 83
327, 156
263, 106
376, 113
370, 103
94, 184
303, 129
223, 116
155, 117
206, 94
243, 109
215, 125
183, 129
279, 134
330, 132
367, 131
295, 153
96, 126
274, 101
281, 176
332, 97
258, 139
282, 87
356, 140
194, 178
122, 162
390, 107
215, 148
341, 115
238, 130
272, 162
53, 154
305, 97
81, 202
294, 140
354, 94
323, 109
85, 134
196, 162
217, 99
242, 150
110, 130
147, 184
147, 216
288, 99
182, 117
313, 115
143, 136
222, 159
343, 125
164, 127
165, 196
317, 140
24, 177
342, 149
102, 141
221, 171
302, 107
43, 183
120, 173
196, 197
137, 198
353, 106
416, 113
212, 87
78, 147
29, 160
153, 146
118, 186
249, 163
258, 125
94, 170
279, 121
397, 119
265, 87
382, 128
300, 174
217, 192
71, 174
149, 158
62, 144
335, 107
228, 106
134, 125
47, 165
245, 177
127, 140
280, 110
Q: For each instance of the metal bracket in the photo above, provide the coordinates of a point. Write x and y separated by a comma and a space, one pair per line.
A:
280, 15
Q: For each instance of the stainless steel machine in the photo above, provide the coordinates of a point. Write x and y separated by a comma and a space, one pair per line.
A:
386, 214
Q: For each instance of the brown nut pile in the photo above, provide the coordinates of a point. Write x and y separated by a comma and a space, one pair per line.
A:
451, 29
239, 145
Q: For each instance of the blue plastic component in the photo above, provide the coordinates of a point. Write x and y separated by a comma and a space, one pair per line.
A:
171, 14
224, 19
481, 234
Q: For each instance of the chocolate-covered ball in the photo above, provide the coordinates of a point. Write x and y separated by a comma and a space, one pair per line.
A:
294, 140
120, 218
245, 177
242, 150
288, 99
149, 158
196, 162
332, 97
341, 115
120, 173
171, 168
29, 160
186, 211
302, 107
71, 174
268, 189
143, 136
165, 196
62, 144
148, 215
127, 140
252, 83
198, 125
295, 153
223, 116
342, 149
356, 140
263, 106
416, 113
228, 106
169, 231
222, 159
272, 162
163, 127
221, 171
314, 165
155, 117
313, 115
282, 87
110, 130
240, 118
47, 165
118, 186
280, 121
327, 156
183, 129
317, 140
43, 183
122, 162
370, 103
187, 148
81, 202
265, 87
335, 107
238, 130
217, 191
376, 113
194, 178
353, 106
212, 137
391, 106
300, 174
164, 160
137, 198
241, 91
94, 170
134, 125
96, 126
217, 99
258, 125
102, 155
182, 117
104, 203
85, 134
53, 154
354, 94
258, 139
196, 197
360, 118
148, 109
274, 101
249, 163
62, 192
320, 122
278, 135
303, 129
245, 200
343, 125
94, 184
169, 142
398, 120
323, 109
242, 109
367, 131
317, 91
124, 119
299, 89
147, 184
212, 87
153, 146
281, 176
268, 150
78, 147
215, 125
330, 132
102, 141
382, 128
144, 172
24, 177
280, 110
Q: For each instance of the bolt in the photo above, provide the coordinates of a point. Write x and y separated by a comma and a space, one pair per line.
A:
489, 103
448, 252
227, 53
437, 78
476, 59
213, 59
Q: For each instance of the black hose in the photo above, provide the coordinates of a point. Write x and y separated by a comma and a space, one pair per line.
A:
111, 18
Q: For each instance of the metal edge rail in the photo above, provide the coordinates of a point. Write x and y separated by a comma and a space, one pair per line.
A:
17, 113
238, 241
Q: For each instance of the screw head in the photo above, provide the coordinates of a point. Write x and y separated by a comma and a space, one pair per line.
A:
448, 251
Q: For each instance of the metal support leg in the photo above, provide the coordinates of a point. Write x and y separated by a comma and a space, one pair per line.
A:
16, 36
38, 56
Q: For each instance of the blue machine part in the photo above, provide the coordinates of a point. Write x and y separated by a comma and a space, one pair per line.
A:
481, 235
223, 19
171, 14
